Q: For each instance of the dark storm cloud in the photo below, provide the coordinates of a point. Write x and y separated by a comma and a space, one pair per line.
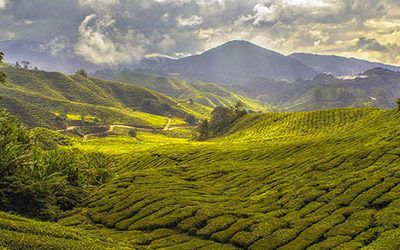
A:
122, 31
370, 44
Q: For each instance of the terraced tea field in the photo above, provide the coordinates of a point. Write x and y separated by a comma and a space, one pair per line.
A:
316, 180
313, 180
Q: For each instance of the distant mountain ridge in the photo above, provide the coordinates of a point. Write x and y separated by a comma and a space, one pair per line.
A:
377, 87
339, 66
232, 63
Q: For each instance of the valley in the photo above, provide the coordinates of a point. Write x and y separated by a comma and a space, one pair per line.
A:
315, 180
208, 151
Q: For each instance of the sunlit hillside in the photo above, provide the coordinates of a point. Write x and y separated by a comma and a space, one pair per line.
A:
55, 100
318, 180
208, 94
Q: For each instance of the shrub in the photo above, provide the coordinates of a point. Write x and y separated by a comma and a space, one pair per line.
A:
41, 183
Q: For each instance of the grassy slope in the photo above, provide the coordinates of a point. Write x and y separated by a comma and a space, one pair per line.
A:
316, 180
207, 94
37, 95
20, 233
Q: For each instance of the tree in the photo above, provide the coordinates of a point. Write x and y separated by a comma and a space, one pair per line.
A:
132, 133
190, 119
2, 75
239, 105
25, 64
17, 65
82, 72
204, 130
221, 121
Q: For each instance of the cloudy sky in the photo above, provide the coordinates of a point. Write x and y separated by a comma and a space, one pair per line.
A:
123, 31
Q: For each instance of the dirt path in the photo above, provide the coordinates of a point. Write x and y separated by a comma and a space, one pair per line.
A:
70, 128
168, 125
111, 129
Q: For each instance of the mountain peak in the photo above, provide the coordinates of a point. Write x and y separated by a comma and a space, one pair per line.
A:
238, 43
241, 45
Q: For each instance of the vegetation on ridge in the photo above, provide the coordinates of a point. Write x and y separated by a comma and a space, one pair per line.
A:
49, 100
2, 75
42, 183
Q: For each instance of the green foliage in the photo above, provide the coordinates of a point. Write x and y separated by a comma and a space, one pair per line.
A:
15, 144
2, 75
49, 139
398, 103
40, 183
190, 119
222, 119
132, 133
82, 72
273, 181
306, 180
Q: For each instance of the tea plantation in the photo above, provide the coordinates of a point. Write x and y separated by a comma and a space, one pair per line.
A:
313, 180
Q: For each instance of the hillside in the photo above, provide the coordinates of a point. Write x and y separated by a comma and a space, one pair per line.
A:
50, 99
232, 63
303, 180
373, 88
339, 66
315, 180
207, 94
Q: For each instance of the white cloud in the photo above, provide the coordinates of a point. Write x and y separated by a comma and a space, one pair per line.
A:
167, 43
165, 18
192, 26
176, 2
191, 21
57, 45
265, 13
307, 3
99, 5
3, 4
101, 43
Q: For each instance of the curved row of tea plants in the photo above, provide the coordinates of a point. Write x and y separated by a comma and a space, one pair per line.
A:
319, 180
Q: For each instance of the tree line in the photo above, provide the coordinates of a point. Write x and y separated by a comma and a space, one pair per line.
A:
222, 118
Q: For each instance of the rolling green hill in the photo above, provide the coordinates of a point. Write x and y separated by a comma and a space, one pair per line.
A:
208, 94
305, 180
325, 179
312, 180
50, 99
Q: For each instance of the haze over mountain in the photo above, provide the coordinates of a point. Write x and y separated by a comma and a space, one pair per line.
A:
43, 56
376, 87
240, 62
234, 63
337, 65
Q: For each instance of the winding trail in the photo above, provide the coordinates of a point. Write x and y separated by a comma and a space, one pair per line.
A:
112, 127
70, 128
168, 125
